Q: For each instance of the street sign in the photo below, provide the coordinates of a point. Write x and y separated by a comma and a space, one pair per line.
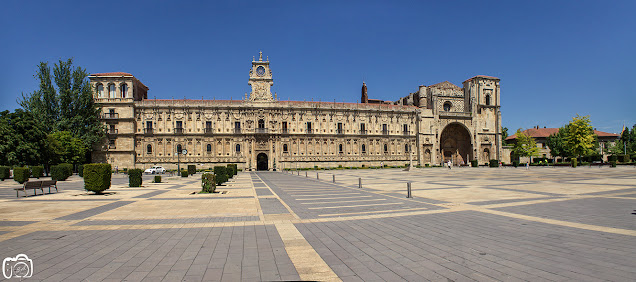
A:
184, 151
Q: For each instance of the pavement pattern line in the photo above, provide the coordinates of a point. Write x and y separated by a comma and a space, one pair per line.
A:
308, 263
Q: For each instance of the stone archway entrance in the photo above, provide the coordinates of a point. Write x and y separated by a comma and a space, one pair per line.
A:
455, 144
261, 161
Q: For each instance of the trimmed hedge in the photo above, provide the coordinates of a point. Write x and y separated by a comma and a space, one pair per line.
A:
494, 163
157, 179
231, 170
37, 171
21, 174
613, 164
80, 170
515, 163
61, 172
574, 162
623, 158
192, 169
184, 173
220, 174
5, 172
208, 184
474, 163
97, 177
134, 177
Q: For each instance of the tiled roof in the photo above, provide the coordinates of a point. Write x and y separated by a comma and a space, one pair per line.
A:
545, 132
445, 85
118, 73
482, 76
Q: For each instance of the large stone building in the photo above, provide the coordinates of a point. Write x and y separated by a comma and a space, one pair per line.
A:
435, 124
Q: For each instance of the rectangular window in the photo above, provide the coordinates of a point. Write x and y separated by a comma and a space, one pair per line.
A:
385, 129
284, 127
340, 131
148, 124
237, 125
208, 124
179, 124
362, 128
309, 130
406, 128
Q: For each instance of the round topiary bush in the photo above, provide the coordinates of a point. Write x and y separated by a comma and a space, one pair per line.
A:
21, 174
61, 172
97, 177
574, 162
5, 172
134, 177
220, 174
37, 171
157, 179
494, 163
474, 163
192, 169
208, 184
184, 173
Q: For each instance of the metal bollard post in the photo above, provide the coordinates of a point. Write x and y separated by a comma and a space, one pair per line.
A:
359, 182
305, 173
334, 178
408, 190
317, 177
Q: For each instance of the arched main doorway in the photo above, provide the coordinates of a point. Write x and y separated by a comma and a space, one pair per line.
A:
455, 144
261, 161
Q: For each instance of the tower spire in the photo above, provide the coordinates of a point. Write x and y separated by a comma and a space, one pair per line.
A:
365, 97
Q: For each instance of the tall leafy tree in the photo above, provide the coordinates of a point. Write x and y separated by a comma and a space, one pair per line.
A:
504, 135
580, 138
525, 146
556, 143
69, 107
23, 137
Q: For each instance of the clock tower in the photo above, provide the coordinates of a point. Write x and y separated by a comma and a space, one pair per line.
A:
261, 80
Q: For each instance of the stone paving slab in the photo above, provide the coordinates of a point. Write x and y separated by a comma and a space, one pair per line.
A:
95, 211
169, 220
15, 223
151, 194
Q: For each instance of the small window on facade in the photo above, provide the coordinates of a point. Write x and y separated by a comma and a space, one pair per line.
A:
447, 106
208, 124
406, 148
487, 100
238, 148
179, 124
284, 126
123, 89
149, 149
179, 149
209, 148
386, 148
340, 148
406, 128
261, 123
285, 148
309, 126
100, 90
111, 91
148, 124
340, 127
237, 125
362, 128
364, 148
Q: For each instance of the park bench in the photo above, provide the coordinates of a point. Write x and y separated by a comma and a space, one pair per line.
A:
34, 185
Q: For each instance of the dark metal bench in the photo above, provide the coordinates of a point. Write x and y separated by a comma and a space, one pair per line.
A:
29, 185
49, 184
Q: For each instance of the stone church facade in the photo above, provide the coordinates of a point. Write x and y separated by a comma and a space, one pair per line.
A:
435, 124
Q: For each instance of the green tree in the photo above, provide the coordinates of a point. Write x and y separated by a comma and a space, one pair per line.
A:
504, 135
66, 148
23, 137
580, 139
525, 146
556, 143
70, 107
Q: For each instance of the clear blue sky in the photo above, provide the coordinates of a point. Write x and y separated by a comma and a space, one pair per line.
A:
555, 58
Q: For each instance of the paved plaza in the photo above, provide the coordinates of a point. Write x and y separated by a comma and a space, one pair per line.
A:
463, 224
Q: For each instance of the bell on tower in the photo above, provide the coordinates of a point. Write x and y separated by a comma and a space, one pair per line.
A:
261, 80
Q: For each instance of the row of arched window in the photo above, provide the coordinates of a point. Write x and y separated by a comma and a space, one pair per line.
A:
112, 91
208, 148
448, 105
363, 148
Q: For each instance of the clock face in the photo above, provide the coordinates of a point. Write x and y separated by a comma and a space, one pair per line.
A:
260, 71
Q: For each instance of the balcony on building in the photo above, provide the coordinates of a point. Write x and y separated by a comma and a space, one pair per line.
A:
363, 131
112, 131
237, 130
178, 130
112, 146
285, 131
148, 131
385, 132
111, 116
208, 130
405, 133
262, 131
340, 131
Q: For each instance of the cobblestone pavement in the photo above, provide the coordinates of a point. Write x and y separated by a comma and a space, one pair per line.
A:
468, 224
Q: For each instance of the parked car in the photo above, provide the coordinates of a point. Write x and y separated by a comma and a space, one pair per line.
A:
155, 170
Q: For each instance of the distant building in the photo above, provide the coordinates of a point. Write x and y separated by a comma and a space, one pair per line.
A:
540, 135
437, 123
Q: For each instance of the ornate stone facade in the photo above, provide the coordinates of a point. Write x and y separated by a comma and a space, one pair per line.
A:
434, 124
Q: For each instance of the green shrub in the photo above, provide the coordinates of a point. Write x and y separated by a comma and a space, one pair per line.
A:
97, 177
61, 172
80, 170
5, 172
474, 163
494, 163
37, 171
612, 158
232, 169
515, 163
157, 179
235, 166
623, 158
192, 169
134, 177
427, 165
220, 174
574, 162
21, 174
208, 183
184, 173
613, 164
